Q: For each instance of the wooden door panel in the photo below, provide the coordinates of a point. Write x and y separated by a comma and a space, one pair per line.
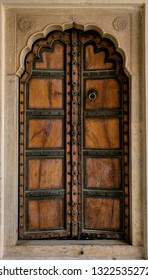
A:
45, 133
45, 214
52, 58
103, 173
102, 213
74, 134
45, 173
96, 60
107, 94
45, 93
102, 133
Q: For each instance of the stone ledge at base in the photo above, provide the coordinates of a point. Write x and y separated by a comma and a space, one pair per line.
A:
74, 251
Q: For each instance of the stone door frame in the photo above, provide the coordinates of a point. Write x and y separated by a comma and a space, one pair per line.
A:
127, 20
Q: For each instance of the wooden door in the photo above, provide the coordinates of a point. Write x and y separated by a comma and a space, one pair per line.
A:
73, 168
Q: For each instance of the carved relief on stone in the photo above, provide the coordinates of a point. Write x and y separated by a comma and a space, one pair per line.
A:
73, 17
25, 24
119, 24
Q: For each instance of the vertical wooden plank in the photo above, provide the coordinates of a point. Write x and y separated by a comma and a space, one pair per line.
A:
52, 58
103, 173
45, 93
102, 213
102, 133
47, 214
45, 173
96, 60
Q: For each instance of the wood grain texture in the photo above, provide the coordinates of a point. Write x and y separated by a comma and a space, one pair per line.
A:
101, 213
102, 133
44, 133
45, 173
52, 59
45, 214
103, 173
96, 60
87, 131
108, 94
46, 93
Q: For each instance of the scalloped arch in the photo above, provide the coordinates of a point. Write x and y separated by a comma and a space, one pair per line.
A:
63, 27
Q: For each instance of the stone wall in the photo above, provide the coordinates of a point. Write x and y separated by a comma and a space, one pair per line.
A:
22, 23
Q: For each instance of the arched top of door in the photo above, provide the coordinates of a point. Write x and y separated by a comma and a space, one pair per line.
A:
65, 27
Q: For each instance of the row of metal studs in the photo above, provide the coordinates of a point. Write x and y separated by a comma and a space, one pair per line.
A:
75, 132
21, 165
68, 138
22, 148
126, 157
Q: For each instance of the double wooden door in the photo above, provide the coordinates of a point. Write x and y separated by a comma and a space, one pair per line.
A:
73, 167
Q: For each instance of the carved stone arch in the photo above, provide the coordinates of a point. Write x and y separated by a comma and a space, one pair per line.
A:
43, 34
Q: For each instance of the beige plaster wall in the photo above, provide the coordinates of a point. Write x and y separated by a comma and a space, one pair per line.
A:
22, 23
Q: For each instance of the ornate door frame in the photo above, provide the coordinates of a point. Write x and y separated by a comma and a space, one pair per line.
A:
130, 28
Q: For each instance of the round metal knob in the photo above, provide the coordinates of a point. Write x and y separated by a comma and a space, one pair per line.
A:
92, 95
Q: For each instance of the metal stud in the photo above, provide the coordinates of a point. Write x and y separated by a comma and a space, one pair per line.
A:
74, 93
74, 183
74, 132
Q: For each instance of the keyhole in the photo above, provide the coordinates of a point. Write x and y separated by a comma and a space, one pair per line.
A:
92, 94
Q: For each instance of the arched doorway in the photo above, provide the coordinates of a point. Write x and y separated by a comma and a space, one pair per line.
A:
74, 130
